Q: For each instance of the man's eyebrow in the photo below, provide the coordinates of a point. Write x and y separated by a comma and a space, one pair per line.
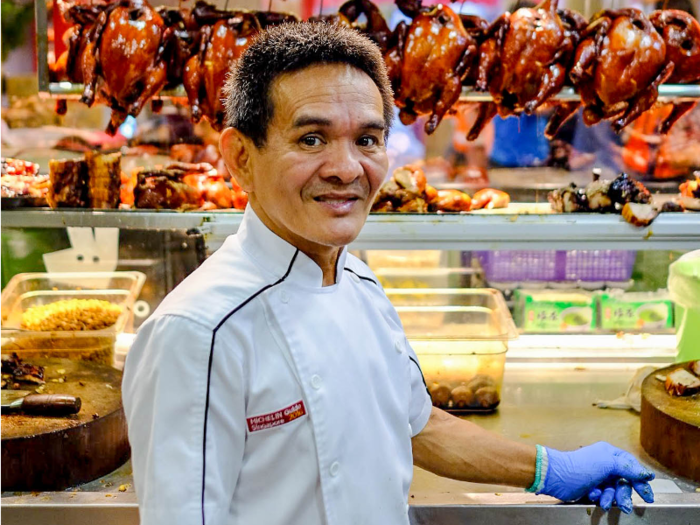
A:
374, 124
307, 120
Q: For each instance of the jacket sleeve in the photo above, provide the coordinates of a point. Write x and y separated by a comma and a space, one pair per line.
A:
421, 403
184, 402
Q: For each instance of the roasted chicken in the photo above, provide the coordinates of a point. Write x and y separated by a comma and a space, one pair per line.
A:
681, 34
365, 17
205, 73
524, 59
619, 65
126, 47
406, 191
453, 200
436, 55
489, 199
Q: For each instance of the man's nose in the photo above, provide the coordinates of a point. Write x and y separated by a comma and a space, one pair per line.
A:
342, 163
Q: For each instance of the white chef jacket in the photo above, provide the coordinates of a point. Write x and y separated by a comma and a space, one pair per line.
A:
254, 395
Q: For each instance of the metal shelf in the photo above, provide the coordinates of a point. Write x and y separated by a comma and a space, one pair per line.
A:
69, 90
521, 226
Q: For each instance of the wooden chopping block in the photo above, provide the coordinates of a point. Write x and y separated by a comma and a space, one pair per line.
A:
54, 453
670, 426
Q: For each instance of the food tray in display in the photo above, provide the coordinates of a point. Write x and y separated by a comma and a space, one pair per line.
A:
461, 339
429, 277
34, 289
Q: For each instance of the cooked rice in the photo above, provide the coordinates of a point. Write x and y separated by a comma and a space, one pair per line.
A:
71, 315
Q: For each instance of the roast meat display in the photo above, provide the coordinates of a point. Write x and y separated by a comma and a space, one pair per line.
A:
616, 61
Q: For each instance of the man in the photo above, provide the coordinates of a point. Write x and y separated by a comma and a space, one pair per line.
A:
275, 385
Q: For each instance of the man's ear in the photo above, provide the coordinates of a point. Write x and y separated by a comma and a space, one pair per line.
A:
235, 150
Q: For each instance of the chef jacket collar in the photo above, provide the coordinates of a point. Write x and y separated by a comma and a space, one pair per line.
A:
275, 255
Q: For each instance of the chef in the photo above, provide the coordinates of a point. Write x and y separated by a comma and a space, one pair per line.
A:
275, 385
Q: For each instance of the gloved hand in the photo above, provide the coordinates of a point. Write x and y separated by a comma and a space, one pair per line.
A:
602, 472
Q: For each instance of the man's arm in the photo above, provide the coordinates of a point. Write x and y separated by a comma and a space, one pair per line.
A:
186, 418
451, 447
458, 449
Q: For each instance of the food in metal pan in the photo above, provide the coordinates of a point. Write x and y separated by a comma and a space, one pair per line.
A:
71, 315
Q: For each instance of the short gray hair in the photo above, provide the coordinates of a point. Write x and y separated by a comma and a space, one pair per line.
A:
292, 47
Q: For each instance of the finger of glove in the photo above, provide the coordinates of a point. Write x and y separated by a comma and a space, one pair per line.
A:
644, 490
594, 495
607, 498
627, 466
623, 496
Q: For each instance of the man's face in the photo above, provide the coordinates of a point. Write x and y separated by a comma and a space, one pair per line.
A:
314, 180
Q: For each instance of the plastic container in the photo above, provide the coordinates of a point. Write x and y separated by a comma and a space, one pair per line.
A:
430, 277
461, 339
650, 312
551, 265
33, 289
554, 311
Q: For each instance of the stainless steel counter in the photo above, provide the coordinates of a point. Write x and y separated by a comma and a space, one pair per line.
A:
548, 403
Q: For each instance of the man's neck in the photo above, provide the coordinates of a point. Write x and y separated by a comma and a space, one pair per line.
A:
326, 257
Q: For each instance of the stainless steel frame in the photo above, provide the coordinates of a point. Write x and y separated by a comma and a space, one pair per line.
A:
521, 226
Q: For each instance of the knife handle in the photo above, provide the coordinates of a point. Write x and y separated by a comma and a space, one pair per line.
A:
51, 404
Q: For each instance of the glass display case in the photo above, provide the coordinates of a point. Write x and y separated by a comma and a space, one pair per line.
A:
532, 322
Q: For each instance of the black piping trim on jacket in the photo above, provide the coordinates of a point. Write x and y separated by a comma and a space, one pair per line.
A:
362, 276
211, 360
421, 373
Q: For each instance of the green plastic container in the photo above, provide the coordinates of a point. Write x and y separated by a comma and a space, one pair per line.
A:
684, 289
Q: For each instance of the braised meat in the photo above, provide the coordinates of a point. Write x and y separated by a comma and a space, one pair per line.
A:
618, 67
164, 189
436, 56
104, 179
680, 382
19, 371
68, 183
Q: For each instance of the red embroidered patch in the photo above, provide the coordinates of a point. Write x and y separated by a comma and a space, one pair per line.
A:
275, 419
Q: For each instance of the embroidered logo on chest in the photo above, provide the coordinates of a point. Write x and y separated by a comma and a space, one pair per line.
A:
275, 419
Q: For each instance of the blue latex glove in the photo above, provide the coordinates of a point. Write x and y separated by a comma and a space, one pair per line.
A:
604, 473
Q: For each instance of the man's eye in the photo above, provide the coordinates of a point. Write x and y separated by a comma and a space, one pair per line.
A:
310, 141
367, 141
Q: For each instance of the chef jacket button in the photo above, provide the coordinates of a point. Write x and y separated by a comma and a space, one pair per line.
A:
284, 297
399, 347
335, 468
355, 278
316, 381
